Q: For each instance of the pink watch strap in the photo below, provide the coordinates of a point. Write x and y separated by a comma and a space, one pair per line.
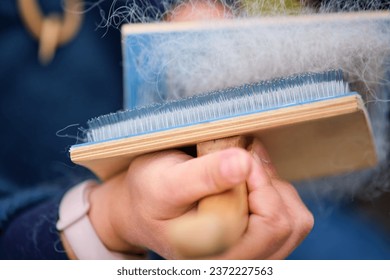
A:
77, 228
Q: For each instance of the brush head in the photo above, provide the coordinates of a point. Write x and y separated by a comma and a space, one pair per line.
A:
311, 125
217, 105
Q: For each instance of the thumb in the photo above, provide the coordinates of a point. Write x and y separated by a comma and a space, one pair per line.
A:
210, 174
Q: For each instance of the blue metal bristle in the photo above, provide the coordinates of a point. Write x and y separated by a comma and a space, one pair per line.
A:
216, 105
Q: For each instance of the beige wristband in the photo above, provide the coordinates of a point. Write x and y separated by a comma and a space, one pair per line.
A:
77, 228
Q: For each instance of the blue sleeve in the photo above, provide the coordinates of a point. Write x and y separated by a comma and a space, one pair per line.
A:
32, 234
14, 198
37, 102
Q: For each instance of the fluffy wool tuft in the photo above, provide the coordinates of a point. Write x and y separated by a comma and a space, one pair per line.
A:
196, 63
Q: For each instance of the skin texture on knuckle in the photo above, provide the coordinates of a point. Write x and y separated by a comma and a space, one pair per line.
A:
280, 224
303, 219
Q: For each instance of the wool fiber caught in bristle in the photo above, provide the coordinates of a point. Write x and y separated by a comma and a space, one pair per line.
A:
196, 62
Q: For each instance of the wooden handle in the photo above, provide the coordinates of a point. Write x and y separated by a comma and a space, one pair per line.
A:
220, 219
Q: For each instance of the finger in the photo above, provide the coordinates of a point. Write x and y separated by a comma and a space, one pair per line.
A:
262, 240
286, 190
269, 224
210, 174
272, 232
263, 198
302, 219
261, 155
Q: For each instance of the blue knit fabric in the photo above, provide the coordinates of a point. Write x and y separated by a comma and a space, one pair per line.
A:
33, 234
37, 102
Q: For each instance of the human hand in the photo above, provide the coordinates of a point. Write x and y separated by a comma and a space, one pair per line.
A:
137, 207
278, 221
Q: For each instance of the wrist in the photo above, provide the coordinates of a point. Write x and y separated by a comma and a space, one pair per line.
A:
80, 238
106, 215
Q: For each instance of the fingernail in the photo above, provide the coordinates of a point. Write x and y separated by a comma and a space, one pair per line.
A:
261, 152
258, 159
261, 156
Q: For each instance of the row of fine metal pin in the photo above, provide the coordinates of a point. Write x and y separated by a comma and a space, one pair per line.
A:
222, 104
